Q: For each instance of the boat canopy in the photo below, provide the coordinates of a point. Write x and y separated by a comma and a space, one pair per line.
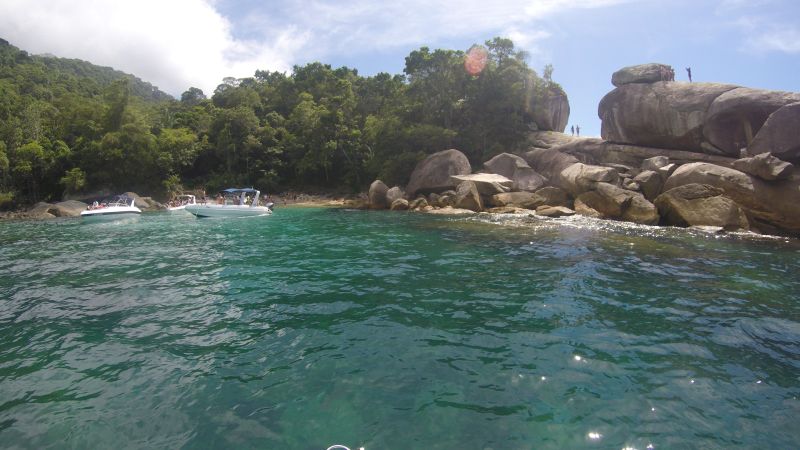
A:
240, 191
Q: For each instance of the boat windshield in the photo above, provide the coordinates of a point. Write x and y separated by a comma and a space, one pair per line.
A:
241, 197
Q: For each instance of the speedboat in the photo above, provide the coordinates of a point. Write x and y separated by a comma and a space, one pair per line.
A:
233, 202
181, 202
119, 207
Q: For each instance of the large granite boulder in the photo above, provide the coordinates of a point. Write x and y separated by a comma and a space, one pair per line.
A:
393, 194
579, 177
554, 211
68, 208
771, 207
399, 204
487, 183
696, 204
551, 112
779, 134
734, 118
549, 161
613, 202
553, 196
527, 200
643, 73
517, 170
144, 203
468, 197
662, 114
377, 195
765, 166
601, 153
548, 139
650, 183
737, 185
40, 210
433, 173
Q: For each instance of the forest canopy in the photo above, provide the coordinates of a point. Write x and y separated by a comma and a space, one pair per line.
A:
70, 128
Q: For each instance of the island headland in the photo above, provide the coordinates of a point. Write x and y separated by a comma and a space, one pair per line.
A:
671, 153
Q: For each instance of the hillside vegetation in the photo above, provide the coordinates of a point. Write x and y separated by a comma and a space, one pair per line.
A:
69, 127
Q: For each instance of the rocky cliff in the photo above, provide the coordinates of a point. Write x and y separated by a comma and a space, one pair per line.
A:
672, 153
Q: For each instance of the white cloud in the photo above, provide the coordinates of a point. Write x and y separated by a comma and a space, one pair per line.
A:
176, 44
786, 40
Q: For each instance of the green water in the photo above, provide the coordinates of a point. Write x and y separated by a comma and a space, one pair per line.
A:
316, 327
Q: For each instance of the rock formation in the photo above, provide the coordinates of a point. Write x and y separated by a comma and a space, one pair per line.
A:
433, 173
707, 155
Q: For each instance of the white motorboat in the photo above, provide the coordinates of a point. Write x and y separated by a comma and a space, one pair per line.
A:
181, 202
120, 207
233, 202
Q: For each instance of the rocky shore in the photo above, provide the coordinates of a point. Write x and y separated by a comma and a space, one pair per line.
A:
671, 153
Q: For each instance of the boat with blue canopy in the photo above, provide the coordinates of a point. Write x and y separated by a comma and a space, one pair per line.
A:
233, 202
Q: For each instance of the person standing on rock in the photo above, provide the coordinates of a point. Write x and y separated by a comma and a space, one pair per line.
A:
578, 130
689, 71
573, 130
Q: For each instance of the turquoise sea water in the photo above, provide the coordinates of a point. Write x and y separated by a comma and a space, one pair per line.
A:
381, 330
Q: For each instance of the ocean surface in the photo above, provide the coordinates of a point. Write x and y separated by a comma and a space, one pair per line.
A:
380, 330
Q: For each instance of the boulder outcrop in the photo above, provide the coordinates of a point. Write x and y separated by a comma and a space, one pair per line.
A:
643, 73
468, 197
662, 114
550, 113
393, 194
613, 202
487, 183
377, 195
579, 177
770, 207
765, 166
734, 118
433, 173
696, 204
779, 134
517, 170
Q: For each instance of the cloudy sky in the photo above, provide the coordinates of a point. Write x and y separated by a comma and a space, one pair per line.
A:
176, 44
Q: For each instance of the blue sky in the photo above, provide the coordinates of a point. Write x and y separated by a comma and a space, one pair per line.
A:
181, 43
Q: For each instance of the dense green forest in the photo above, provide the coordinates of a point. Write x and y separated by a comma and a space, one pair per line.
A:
69, 127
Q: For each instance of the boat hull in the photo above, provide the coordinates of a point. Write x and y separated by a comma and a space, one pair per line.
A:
113, 213
228, 210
